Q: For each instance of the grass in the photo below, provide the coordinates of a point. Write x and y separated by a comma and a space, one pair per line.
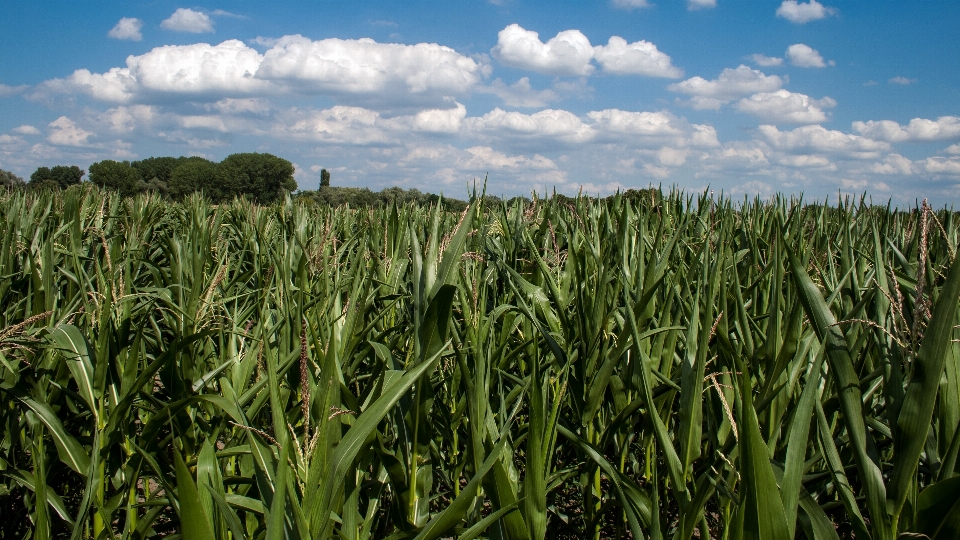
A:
669, 367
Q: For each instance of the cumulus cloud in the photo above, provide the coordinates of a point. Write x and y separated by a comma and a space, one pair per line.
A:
939, 165
393, 72
546, 124
638, 58
364, 66
567, 53
731, 84
64, 132
802, 55
902, 81
784, 107
340, 124
439, 120
125, 119
919, 129
188, 20
893, 164
953, 149
820, 139
693, 5
641, 129
481, 158
801, 13
127, 28
630, 4
26, 130
672, 157
766, 61
519, 94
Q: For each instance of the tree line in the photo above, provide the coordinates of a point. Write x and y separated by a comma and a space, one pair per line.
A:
262, 177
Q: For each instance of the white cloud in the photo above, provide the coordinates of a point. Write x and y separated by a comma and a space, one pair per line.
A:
641, 129
919, 129
240, 106
567, 53
222, 13
188, 20
820, 139
802, 55
638, 58
731, 84
701, 4
617, 123
549, 124
953, 149
806, 161
26, 130
766, 61
482, 158
939, 165
340, 125
784, 107
893, 164
741, 154
65, 132
364, 66
672, 157
227, 68
7, 90
753, 187
127, 28
631, 4
125, 119
440, 120
902, 81
520, 93
365, 69
801, 13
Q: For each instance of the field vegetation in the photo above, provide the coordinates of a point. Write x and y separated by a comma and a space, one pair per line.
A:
639, 366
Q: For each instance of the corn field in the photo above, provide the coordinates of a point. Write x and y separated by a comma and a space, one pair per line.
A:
641, 367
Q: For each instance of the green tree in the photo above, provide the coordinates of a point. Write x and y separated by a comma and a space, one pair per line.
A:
324, 178
57, 177
262, 177
159, 168
8, 180
191, 175
115, 175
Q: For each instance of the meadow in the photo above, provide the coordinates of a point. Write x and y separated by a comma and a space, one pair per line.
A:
642, 366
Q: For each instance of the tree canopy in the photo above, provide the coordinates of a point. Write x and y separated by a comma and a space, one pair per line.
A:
115, 175
264, 178
8, 180
57, 177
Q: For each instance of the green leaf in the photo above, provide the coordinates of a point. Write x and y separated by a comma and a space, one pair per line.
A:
916, 411
194, 522
70, 451
938, 510
74, 348
352, 443
760, 504
851, 398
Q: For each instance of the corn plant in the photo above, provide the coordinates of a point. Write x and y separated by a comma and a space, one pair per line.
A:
661, 366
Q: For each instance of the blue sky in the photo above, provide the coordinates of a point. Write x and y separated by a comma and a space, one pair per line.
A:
746, 97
